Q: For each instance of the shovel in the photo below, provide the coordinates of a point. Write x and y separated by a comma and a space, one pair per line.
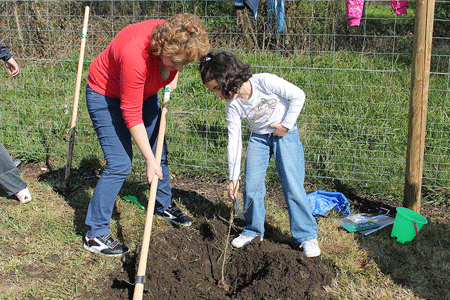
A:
140, 276
76, 98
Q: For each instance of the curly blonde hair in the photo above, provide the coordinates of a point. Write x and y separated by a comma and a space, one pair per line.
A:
181, 38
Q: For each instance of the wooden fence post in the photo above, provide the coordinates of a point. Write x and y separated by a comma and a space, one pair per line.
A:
420, 79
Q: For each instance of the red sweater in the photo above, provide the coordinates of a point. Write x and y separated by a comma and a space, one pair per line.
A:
127, 70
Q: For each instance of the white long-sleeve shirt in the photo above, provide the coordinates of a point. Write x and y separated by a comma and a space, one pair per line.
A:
273, 101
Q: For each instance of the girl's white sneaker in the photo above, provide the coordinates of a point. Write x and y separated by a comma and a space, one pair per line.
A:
310, 248
242, 240
24, 195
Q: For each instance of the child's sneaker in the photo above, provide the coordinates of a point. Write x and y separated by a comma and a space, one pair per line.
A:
24, 196
242, 240
174, 214
310, 248
105, 245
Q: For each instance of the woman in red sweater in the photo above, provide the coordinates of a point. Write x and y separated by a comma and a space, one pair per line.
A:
122, 101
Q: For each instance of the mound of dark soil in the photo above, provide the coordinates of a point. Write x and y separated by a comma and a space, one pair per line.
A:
187, 264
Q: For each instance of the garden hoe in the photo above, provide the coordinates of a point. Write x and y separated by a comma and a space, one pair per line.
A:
140, 276
76, 98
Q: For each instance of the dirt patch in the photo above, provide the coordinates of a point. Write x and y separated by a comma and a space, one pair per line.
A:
187, 264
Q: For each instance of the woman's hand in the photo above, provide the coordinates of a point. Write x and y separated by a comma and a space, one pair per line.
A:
173, 83
232, 188
153, 168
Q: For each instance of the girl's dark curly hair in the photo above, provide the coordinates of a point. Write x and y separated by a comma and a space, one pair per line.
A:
229, 72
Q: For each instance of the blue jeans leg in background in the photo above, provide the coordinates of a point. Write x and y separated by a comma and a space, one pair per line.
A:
9, 175
115, 140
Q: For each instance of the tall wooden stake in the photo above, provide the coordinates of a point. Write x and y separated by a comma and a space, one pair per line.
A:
420, 79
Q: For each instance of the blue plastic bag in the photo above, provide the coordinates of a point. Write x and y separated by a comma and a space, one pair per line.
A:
322, 202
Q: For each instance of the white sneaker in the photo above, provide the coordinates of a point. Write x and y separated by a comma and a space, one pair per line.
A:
24, 195
310, 248
17, 162
242, 240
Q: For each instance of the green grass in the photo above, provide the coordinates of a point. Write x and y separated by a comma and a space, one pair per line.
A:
353, 128
41, 253
353, 125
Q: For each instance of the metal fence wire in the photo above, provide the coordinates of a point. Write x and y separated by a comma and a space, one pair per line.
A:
357, 80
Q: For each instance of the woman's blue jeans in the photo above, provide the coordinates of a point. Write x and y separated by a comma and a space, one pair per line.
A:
289, 160
115, 140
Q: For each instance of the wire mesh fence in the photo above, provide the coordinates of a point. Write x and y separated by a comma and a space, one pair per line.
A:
357, 79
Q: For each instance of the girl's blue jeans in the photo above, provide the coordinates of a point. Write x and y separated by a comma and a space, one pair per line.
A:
115, 140
290, 163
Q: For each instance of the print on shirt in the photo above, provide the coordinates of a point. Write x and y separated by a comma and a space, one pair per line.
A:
262, 112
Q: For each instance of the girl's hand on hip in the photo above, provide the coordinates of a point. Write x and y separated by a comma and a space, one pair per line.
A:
280, 130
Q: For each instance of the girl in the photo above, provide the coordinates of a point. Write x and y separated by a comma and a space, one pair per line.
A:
271, 106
